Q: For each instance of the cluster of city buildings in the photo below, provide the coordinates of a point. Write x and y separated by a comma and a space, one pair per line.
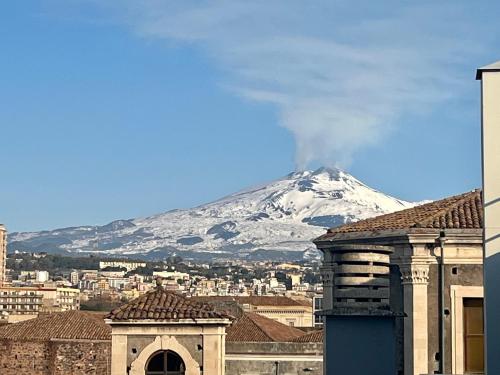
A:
29, 293
403, 294
33, 293
270, 317
231, 285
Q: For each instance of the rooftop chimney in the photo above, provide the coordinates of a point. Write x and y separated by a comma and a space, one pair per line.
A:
490, 111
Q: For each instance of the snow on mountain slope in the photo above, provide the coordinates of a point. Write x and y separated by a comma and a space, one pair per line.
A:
283, 215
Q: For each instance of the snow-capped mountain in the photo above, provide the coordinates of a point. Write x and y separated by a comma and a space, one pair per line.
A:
282, 216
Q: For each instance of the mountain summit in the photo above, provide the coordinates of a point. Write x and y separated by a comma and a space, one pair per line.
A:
281, 216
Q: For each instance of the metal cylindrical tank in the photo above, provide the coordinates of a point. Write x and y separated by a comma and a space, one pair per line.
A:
361, 276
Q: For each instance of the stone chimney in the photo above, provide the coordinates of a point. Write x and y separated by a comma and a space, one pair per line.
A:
490, 111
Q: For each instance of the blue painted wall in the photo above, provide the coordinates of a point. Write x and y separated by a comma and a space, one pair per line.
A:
358, 345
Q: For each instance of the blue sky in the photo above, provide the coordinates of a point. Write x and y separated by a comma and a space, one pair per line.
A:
123, 109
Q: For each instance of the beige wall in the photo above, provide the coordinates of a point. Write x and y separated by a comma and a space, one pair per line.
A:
491, 197
491, 160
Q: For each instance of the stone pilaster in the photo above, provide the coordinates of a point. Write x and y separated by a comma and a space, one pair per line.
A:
327, 275
213, 355
415, 278
118, 354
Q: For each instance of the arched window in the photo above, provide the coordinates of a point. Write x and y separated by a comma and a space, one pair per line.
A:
165, 363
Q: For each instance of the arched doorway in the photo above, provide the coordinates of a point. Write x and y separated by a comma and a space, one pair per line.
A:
165, 362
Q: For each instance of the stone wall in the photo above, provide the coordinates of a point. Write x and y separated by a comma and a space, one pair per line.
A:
433, 318
55, 358
81, 357
18, 357
271, 358
397, 306
465, 275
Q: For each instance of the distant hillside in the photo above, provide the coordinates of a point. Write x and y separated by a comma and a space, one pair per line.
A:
276, 220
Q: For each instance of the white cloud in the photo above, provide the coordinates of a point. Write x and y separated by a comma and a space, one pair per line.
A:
340, 76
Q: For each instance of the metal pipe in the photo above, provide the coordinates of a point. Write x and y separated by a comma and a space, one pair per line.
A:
442, 343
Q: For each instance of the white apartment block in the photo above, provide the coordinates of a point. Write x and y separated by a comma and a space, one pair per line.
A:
130, 266
18, 304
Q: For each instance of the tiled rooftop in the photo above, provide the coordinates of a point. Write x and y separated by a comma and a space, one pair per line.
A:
314, 336
253, 300
162, 305
252, 327
463, 211
70, 325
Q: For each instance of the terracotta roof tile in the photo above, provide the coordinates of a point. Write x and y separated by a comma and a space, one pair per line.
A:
76, 325
252, 327
463, 211
253, 300
314, 336
162, 305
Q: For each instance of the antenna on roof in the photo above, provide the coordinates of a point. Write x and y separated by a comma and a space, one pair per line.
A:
159, 283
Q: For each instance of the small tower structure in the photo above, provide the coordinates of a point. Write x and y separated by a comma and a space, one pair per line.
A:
164, 331
357, 308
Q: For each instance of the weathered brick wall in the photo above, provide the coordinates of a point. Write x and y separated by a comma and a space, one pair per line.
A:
18, 357
78, 358
55, 358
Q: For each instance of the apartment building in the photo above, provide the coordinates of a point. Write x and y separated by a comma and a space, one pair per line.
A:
60, 299
3, 253
318, 306
130, 266
17, 304
285, 310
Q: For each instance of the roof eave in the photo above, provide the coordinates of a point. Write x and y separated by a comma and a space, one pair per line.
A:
215, 321
479, 73
347, 236
393, 234
495, 67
